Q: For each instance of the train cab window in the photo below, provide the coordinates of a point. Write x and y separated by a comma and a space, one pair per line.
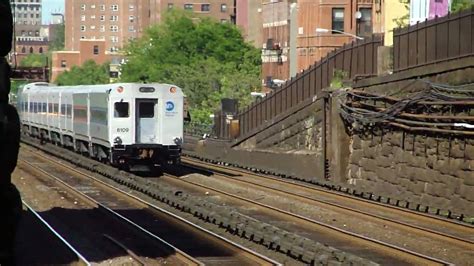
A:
147, 110
121, 109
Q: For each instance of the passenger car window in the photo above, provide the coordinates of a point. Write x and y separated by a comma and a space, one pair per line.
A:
121, 109
147, 110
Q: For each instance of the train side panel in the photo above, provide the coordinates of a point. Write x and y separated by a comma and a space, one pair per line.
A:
81, 116
98, 109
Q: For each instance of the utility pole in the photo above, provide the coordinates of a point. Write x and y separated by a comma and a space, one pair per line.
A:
293, 42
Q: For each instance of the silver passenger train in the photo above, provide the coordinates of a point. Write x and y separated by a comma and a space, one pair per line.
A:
125, 124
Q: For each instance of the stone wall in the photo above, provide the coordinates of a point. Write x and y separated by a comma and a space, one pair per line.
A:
433, 171
291, 144
299, 132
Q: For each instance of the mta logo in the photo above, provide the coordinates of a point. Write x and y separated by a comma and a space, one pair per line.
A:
169, 106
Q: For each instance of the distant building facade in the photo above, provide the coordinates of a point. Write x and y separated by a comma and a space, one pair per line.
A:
29, 34
300, 19
222, 10
113, 23
88, 50
248, 15
420, 10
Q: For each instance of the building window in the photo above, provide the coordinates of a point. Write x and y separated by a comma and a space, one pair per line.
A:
114, 28
188, 7
364, 24
63, 63
83, 18
41, 50
83, 28
92, 27
102, 28
92, 6
96, 49
131, 28
23, 50
92, 16
102, 7
83, 7
131, 7
338, 19
205, 7
113, 18
102, 18
131, 19
223, 7
114, 7
114, 39
170, 5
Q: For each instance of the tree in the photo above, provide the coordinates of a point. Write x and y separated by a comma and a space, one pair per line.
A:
208, 59
458, 5
57, 42
34, 60
88, 74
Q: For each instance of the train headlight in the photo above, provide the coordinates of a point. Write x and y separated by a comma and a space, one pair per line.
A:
118, 141
178, 140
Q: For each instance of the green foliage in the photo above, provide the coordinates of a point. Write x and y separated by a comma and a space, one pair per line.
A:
88, 74
458, 5
17, 84
338, 78
57, 42
34, 60
208, 59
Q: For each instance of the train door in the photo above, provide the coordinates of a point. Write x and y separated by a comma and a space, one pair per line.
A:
146, 120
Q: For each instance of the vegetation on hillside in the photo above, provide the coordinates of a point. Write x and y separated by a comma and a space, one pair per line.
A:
88, 74
208, 59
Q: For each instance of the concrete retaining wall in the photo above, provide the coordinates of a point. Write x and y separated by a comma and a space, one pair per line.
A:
433, 171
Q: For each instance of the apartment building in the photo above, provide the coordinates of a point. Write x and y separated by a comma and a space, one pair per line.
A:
114, 21
249, 18
307, 30
222, 10
110, 24
28, 37
26, 16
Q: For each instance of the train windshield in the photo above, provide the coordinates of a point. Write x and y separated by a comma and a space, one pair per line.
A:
121, 109
147, 109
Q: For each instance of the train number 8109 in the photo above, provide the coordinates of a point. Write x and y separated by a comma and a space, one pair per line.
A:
122, 130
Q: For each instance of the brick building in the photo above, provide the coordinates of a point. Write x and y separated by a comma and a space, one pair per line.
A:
248, 15
110, 24
28, 31
88, 50
300, 19
222, 10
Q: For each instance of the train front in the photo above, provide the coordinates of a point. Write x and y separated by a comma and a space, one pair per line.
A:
147, 125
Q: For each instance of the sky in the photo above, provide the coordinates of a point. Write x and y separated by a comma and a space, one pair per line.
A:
51, 6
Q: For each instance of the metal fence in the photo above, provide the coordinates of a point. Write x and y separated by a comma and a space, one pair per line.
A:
433, 41
354, 59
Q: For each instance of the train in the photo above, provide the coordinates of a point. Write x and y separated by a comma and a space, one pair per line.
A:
125, 124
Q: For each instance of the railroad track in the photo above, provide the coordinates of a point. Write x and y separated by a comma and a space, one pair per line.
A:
212, 249
458, 236
31, 251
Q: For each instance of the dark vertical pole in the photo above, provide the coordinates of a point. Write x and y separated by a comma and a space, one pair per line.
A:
324, 137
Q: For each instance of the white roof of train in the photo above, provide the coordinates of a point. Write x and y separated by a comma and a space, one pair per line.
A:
116, 89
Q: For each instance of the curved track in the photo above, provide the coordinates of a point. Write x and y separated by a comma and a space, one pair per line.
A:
454, 232
442, 231
212, 249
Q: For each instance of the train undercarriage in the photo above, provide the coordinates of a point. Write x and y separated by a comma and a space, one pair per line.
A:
135, 157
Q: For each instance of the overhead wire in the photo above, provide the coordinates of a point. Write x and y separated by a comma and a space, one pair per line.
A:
432, 93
